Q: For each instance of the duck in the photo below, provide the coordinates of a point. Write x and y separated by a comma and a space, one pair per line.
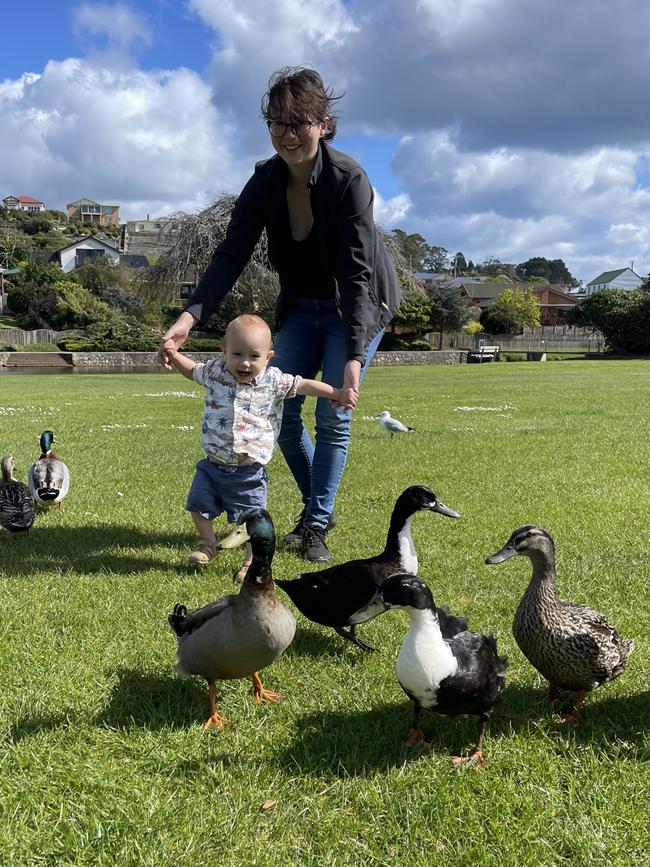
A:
17, 512
238, 635
572, 646
330, 597
49, 477
441, 665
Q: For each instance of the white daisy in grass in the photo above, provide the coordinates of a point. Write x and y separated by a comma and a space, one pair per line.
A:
168, 394
501, 408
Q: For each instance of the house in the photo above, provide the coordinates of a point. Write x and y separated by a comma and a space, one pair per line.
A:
23, 203
624, 278
134, 260
88, 211
554, 303
481, 294
149, 238
79, 252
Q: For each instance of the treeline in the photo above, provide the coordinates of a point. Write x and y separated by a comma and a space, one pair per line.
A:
422, 256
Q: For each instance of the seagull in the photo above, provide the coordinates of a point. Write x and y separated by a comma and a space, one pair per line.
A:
393, 425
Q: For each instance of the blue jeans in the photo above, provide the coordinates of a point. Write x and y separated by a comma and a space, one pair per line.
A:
312, 338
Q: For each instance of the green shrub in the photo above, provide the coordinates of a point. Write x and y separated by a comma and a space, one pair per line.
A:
7, 347
201, 344
38, 347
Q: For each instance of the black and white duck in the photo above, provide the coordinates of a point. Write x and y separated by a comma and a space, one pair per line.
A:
441, 666
16, 504
237, 635
571, 645
330, 597
49, 477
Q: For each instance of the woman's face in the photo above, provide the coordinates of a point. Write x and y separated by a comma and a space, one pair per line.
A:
298, 145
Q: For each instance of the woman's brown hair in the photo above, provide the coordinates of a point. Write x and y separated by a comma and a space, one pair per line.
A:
300, 93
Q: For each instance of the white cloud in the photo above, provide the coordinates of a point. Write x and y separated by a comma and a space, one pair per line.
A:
79, 130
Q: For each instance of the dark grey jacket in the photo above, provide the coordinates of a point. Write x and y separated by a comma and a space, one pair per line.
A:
368, 291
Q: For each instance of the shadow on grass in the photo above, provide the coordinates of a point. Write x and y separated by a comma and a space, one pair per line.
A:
345, 743
322, 643
155, 701
89, 549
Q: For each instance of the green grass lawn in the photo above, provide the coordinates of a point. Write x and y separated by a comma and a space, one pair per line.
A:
7, 321
103, 759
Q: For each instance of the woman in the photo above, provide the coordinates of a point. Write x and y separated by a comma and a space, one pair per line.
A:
338, 286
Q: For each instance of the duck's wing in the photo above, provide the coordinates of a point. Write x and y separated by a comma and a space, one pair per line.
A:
16, 507
183, 623
450, 625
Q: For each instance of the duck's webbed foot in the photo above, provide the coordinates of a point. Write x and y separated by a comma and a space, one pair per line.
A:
573, 717
416, 736
262, 694
215, 720
350, 635
474, 758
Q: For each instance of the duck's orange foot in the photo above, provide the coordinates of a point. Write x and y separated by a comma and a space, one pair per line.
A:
216, 721
416, 736
262, 694
475, 758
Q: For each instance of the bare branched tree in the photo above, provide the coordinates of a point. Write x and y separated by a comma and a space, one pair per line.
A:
195, 238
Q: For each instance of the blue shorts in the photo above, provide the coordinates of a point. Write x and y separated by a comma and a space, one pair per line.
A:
217, 488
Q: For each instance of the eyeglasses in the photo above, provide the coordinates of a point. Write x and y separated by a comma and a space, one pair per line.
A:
278, 129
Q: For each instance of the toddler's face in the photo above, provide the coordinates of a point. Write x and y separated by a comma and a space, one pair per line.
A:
247, 352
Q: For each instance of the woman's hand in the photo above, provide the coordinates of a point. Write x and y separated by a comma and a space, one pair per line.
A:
174, 338
351, 375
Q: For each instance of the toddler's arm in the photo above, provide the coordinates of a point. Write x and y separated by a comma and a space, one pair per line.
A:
182, 363
347, 397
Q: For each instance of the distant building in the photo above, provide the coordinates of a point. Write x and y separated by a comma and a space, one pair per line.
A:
88, 211
23, 203
624, 278
149, 238
81, 251
554, 303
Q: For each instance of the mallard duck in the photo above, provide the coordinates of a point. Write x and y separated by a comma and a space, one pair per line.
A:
49, 478
237, 635
330, 597
441, 666
571, 645
16, 505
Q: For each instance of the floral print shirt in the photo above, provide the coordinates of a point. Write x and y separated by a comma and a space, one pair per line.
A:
241, 421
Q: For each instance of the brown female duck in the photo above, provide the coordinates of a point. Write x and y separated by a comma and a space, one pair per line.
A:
571, 645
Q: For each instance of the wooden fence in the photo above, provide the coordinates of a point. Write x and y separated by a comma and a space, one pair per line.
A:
545, 338
18, 337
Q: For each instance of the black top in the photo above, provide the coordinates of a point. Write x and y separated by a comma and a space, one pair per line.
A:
303, 274
353, 256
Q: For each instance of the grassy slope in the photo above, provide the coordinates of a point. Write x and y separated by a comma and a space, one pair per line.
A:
103, 759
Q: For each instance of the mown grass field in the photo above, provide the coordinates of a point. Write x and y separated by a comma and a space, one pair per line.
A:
103, 759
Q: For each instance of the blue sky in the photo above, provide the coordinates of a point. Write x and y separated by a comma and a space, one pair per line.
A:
500, 128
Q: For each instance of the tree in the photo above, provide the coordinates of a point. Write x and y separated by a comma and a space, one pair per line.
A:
413, 249
436, 259
459, 265
622, 316
514, 311
551, 270
449, 310
195, 237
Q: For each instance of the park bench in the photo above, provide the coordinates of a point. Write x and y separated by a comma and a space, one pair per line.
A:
483, 353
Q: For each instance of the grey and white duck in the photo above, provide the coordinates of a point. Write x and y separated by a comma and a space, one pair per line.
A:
240, 634
571, 645
331, 596
17, 512
441, 665
49, 478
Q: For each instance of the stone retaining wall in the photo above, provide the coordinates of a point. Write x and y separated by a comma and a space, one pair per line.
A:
150, 359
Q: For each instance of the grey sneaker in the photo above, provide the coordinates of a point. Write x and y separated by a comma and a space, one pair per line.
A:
314, 547
294, 538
